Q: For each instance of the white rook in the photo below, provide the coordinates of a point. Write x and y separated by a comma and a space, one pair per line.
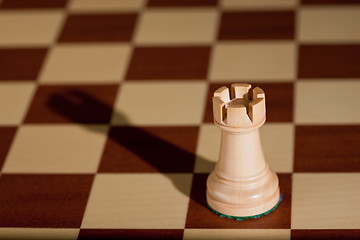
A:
242, 184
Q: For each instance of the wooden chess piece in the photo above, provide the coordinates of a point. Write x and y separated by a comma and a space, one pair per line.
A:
242, 184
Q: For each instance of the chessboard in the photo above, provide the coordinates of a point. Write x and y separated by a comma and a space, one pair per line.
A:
106, 127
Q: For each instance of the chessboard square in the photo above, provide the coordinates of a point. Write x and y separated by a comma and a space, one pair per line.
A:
200, 216
331, 24
56, 149
152, 234
312, 234
43, 201
327, 149
14, 99
6, 137
327, 2
105, 5
278, 144
29, 27
21, 63
169, 63
208, 147
258, 4
72, 104
329, 61
39, 233
98, 27
315, 102
279, 100
257, 25
73, 63
178, 26
150, 149
160, 103
325, 201
138, 201
253, 61
24, 4
181, 3
280, 234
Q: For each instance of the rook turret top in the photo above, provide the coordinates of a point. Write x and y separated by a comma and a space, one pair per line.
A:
244, 108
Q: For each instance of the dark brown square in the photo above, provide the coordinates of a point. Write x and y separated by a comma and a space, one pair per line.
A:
257, 25
169, 63
33, 4
327, 149
181, 3
98, 28
150, 149
200, 216
21, 64
137, 234
72, 103
6, 138
44, 201
279, 101
329, 61
326, 234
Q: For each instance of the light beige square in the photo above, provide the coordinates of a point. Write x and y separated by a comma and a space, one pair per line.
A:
86, 63
235, 234
178, 26
325, 201
38, 233
29, 28
258, 4
329, 24
327, 102
100, 6
160, 103
208, 148
277, 142
56, 149
14, 101
138, 201
260, 61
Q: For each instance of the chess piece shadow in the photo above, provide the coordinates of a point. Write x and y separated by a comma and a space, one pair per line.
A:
72, 103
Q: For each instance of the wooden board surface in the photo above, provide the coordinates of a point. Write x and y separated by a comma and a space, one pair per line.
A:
106, 120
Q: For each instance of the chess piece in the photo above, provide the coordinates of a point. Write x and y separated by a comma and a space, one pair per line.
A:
242, 184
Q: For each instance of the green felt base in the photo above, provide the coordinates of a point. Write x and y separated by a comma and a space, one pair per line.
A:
245, 217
